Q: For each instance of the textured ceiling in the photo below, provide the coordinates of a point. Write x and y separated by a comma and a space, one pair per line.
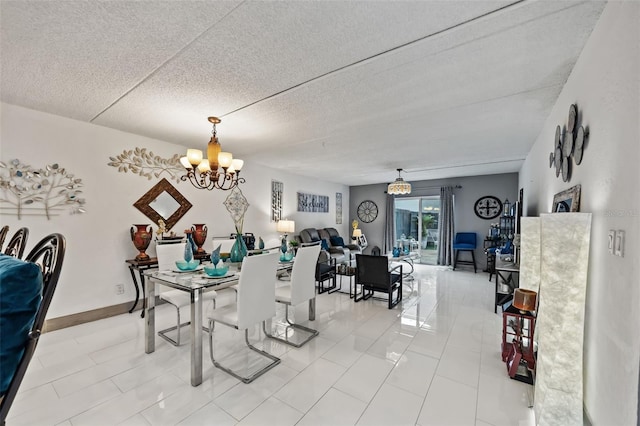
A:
342, 91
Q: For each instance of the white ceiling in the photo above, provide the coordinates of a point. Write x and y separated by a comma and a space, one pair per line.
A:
342, 91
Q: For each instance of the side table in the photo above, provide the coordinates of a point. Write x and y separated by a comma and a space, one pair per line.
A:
506, 275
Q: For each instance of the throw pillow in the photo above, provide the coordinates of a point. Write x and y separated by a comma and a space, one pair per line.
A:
324, 245
337, 241
20, 296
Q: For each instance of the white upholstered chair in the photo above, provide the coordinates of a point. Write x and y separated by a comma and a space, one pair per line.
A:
167, 255
301, 288
256, 292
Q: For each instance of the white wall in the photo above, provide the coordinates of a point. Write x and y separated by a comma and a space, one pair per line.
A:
98, 242
605, 86
501, 185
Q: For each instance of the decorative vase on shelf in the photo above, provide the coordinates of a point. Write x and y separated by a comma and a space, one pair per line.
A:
199, 232
396, 252
141, 237
188, 248
239, 249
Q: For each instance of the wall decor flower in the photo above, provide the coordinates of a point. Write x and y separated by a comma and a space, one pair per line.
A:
146, 164
50, 189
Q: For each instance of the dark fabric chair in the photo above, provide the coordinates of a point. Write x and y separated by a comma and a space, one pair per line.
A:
17, 243
49, 255
465, 241
375, 251
373, 275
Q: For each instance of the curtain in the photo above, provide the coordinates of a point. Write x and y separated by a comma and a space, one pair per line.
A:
388, 239
447, 232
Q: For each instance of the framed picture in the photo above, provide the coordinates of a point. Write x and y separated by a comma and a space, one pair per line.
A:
567, 201
338, 208
313, 203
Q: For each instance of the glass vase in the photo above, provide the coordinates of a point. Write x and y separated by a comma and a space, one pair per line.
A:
188, 249
239, 249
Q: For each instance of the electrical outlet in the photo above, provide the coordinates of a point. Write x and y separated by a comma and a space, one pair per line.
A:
119, 288
611, 241
619, 244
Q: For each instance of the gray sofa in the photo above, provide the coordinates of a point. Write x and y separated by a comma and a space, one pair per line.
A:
340, 249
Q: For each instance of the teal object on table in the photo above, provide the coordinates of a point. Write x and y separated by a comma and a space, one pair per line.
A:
260, 243
215, 255
286, 257
216, 271
188, 250
239, 249
396, 252
191, 265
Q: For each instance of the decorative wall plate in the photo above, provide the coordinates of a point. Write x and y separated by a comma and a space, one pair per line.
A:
567, 145
578, 149
367, 211
488, 207
556, 141
573, 115
566, 169
558, 160
551, 159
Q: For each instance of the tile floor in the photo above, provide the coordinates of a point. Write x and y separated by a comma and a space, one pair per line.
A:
433, 360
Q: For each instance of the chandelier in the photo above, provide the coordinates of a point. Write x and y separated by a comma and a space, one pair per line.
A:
219, 170
399, 186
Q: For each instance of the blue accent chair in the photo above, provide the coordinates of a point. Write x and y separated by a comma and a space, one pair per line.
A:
465, 241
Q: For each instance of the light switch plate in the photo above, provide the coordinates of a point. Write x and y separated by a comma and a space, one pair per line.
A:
612, 240
619, 244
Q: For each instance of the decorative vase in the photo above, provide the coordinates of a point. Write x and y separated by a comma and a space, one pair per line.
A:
283, 246
141, 237
188, 248
396, 252
199, 232
239, 249
260, 243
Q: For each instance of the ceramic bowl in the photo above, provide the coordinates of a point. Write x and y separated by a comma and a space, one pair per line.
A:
216, 272
187, 266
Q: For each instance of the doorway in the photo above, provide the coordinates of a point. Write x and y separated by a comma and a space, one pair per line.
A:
418, 218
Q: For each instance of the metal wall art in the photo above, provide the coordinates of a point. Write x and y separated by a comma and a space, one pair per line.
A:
277, 189
237, 205
28, 191
144, 163
338, 208
568, 145
312, 203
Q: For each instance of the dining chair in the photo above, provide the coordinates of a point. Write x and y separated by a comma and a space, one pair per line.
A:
17, 243
167, 255
48, 256
255, 304
373, 274
3, 234
301, 288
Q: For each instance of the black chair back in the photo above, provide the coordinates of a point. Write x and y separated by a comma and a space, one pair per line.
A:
17, 243
49, 255
375, 251
373, 271
3, 234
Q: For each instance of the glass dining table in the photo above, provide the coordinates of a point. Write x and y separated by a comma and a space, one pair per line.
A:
195, 283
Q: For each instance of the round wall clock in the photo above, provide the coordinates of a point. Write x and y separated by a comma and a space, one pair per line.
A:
367, 211
488, 207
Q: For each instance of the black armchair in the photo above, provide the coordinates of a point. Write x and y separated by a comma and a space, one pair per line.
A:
373, 274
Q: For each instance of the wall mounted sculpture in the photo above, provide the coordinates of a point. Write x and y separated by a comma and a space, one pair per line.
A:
144, 163
28, 191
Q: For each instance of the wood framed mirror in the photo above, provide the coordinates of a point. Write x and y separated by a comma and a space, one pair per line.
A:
165, 202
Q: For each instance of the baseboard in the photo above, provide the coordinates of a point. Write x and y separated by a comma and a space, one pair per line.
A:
87, 316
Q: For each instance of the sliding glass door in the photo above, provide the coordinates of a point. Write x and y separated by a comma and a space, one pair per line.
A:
417, 218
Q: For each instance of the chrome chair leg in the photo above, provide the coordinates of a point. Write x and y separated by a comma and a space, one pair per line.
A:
275, 360
313, 333
165, 336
